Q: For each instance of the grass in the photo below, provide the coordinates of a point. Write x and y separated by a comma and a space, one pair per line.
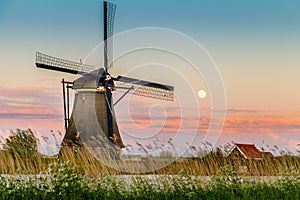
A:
63, 180
80, 176
200, 166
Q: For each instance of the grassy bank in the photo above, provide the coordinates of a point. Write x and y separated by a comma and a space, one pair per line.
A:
75, 174
20, 156
62, 180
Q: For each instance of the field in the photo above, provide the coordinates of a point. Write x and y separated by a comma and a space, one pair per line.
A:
28, 175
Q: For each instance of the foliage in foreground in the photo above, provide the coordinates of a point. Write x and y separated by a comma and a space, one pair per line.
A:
62, 180
80, 176
20, 156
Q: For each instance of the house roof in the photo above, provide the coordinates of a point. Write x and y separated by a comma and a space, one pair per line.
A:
248, 151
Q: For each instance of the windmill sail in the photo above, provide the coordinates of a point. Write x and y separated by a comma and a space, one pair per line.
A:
146, 88
109, 15
140, 87
58, 64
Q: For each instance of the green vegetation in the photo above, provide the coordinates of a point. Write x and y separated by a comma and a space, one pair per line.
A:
62, 180
80, 176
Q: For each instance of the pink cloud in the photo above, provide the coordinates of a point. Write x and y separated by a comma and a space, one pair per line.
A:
40, 109
30, 102
260, 124
36, 108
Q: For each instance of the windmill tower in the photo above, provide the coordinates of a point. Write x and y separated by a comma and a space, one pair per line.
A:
93, 122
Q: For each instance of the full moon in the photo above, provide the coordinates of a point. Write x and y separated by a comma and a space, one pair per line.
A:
201, 94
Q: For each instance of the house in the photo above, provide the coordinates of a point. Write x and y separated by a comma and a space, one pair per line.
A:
247, 151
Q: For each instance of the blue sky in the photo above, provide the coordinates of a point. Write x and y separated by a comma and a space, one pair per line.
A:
255, 44
199, 19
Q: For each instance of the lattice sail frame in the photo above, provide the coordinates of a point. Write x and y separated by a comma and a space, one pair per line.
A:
58, 64
139, 87
109, 17
146, 91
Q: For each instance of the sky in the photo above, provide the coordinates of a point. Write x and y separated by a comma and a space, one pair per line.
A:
254, 44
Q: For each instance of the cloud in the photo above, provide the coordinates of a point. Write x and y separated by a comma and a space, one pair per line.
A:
28, 116
242, 111
260, 124
30, 103
251, 121
237, 111
24, 91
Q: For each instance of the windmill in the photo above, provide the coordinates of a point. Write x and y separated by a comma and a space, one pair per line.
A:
93, 121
